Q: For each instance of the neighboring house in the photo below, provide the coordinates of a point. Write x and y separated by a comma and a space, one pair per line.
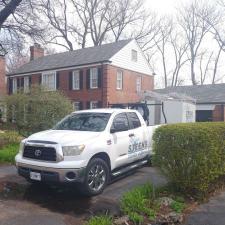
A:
92, 77
210, 100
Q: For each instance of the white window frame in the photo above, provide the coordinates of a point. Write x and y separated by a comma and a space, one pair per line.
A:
76, 106
14, 85
138, 84
93, 78
76, 80
92, 103
26, 84
134, 55
46, 74
119, 80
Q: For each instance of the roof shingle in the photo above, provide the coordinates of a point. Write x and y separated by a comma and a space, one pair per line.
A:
73, 58
211, 93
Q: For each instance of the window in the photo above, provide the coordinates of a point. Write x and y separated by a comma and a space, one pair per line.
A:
94, 78
134, 120
134, 55
49, 80
76, 106
76, 80
138, 84
95, 122
14, 89
26, 84
120, 123
93, 105
119, 80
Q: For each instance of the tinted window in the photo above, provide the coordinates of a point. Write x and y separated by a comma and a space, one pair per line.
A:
134, 120
95, 122
121, 121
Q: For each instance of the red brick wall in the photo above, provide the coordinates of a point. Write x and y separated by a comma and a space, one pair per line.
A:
128, 94
2, 76
219, 113
107, 93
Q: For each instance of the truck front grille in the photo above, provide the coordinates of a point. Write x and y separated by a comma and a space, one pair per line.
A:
40, 153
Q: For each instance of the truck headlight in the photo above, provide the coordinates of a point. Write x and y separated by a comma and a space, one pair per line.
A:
22, 143
72, 150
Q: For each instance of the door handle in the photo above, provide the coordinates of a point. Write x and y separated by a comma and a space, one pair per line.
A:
131, 135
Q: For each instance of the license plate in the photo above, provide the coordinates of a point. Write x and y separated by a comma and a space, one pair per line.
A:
35, 176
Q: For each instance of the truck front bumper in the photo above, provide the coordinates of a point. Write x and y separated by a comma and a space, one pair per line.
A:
55, 175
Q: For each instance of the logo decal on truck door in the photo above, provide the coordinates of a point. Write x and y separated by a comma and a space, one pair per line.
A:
136, 147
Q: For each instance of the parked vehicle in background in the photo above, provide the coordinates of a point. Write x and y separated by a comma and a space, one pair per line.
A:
88, 147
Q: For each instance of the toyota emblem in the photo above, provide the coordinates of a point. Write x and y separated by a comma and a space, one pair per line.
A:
37, 153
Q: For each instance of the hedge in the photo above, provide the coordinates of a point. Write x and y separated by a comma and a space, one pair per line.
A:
192, 156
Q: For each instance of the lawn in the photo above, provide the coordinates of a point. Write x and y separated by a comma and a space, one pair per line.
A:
8, 153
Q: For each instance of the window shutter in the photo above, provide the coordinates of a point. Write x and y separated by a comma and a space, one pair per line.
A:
99, 104
22, 82
30, 81
99, 77
10, 83
88, 79
18, 83
81, 79
57, 80
40, 79
70, 80
88, 105
81, 105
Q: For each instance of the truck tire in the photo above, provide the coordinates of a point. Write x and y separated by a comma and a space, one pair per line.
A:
96, 177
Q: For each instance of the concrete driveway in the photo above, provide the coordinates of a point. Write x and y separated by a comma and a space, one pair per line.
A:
25, 204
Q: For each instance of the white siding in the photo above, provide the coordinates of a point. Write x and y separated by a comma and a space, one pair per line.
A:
123, 59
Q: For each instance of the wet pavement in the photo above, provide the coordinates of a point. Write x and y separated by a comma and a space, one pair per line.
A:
25, 204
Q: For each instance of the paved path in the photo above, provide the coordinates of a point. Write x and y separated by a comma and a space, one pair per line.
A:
41, 205
211, 213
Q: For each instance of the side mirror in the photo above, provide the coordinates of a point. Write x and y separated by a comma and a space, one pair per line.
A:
112, 130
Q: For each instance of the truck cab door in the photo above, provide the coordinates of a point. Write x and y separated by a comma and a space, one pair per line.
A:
120, 139
138, 142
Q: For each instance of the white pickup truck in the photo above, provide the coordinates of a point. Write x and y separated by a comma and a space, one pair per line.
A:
88, 147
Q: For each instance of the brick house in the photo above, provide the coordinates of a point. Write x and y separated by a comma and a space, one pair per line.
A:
210, 100
91, 77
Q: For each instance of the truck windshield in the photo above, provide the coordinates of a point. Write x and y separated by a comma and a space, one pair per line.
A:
95, 122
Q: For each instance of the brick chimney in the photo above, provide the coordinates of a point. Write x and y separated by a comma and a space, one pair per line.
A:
36, 51
2, 75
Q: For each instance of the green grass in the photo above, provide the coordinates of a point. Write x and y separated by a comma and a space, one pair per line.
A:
8, 153
178, 206
100, 220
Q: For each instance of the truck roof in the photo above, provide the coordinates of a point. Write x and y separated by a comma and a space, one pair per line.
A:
104, 110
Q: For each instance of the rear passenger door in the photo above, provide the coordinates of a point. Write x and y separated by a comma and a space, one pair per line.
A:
138, 148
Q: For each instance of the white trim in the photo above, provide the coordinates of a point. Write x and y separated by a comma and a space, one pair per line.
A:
119, 72
62, 69
26, 88
93, 102
14, 85
46, 73
74, 108
91, 74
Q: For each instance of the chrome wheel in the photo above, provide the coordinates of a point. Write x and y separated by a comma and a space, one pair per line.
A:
96, 177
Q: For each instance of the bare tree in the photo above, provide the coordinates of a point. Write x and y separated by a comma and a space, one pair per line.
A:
195, 27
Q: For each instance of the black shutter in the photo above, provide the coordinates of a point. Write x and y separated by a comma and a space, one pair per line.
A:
80, 105
30, 81
18, 83
57, 80
81, 79
88, 79
99, 77
88, 105
22, 83
10, 83
40, 79
70, 80
99, 104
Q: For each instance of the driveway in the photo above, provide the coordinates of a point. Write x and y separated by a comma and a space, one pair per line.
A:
25, 204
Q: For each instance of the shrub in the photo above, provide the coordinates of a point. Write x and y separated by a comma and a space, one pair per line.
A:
192, 156
36, 111
100, 220
9, 137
